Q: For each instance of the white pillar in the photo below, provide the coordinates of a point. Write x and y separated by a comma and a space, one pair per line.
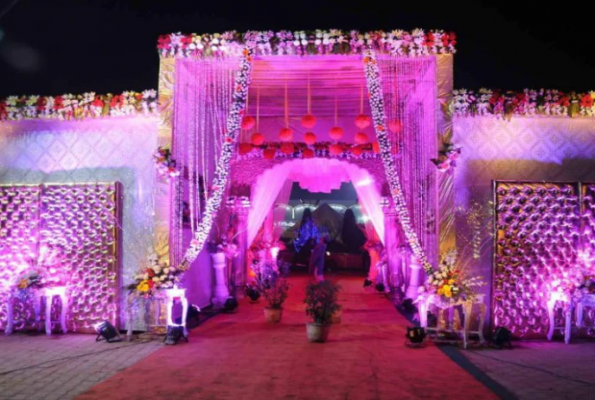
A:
221, 292
414, 278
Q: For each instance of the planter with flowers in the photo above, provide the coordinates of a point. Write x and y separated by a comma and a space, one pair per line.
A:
149, 285
30, 280
275, 294
447, 287
321, 304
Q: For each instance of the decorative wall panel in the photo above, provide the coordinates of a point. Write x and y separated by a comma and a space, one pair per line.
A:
77, 226
523, 149
537, 242
115, 149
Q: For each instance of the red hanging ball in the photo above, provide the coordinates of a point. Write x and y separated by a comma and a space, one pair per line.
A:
363, 121
357, 151
336, 133
335, 149
395, 126
361, 138
287, 148
308, 153
309, 138
308, 121
257, 139
245, 148
376, 147
269, 153
248, 123
285, 135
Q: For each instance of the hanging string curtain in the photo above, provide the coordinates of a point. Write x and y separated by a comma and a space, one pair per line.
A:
411, 182
208, 98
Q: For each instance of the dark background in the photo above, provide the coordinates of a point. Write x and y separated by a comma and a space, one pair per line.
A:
51, 47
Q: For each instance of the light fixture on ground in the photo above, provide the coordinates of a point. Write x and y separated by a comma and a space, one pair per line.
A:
415, 337
107, 331
502, 337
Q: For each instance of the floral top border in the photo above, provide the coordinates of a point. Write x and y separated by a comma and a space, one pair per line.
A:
505, 104
78, 106
334, 41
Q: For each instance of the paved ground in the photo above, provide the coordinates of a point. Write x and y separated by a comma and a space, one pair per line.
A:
66, 366
61, 367
541, 370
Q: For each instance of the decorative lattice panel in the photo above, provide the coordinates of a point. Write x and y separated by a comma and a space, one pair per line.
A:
19, 235
537, 241
79, 226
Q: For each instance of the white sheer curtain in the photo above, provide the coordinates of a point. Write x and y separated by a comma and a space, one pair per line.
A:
264, 193
368, 196
316, 175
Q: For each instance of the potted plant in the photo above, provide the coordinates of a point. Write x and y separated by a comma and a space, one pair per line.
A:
275, 293
321, 304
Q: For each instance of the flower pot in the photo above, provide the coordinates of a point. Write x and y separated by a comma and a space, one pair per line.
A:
273, 314
336, 317
317, 332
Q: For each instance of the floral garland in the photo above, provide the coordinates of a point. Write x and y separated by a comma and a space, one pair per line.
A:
447, 157
274, 150
392, 176
80, 106
526, 103
165, 165
334, 41
234, 118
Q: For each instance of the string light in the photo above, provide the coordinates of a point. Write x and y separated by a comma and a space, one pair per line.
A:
242, 81
377, 106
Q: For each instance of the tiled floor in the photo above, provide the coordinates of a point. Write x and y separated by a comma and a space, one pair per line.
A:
61, 366
541, 370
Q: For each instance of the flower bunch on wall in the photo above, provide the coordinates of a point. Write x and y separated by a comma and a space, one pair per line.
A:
526, 103
78, 106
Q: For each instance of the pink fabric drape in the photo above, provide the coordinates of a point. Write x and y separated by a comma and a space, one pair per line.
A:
316, 175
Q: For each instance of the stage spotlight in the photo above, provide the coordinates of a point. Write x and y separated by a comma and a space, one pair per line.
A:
174, 335
107, 331
415, 336
380, 287
502, 337
230, 304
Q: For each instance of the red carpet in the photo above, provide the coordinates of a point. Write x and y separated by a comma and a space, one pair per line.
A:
239, 356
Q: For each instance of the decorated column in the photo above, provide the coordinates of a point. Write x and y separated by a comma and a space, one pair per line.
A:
414, 278
241, 206
391, 244
221, 291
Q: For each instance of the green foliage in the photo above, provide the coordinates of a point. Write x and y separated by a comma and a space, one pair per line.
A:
321, 301
275, 292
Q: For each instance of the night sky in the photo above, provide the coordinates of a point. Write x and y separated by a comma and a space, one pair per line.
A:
52, 47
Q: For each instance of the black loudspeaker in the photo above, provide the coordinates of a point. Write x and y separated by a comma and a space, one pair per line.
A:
415, 336
502, 337
174, 335
380, 287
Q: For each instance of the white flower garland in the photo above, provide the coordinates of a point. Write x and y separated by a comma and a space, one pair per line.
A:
377, 106
234, 118
334, 41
